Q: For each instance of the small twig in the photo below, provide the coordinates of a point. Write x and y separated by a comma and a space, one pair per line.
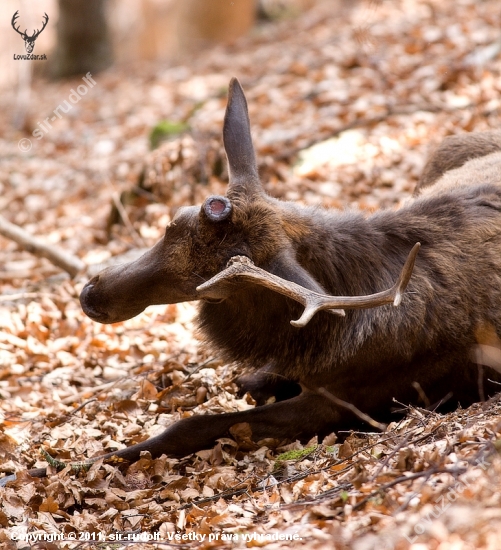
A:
200, 367
25, 296
96, 390
138, 240
387, 459
411, 477
297, 477
69, 263
357, 412
330, 494
84, 404
446, 397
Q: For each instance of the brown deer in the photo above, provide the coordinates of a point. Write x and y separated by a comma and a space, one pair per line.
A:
257, 264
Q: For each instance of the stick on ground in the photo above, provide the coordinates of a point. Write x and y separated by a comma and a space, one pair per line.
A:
69, 263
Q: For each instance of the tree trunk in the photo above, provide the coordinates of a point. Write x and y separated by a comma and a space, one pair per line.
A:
83, 38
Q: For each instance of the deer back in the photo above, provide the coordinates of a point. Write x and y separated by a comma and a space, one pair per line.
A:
454, 151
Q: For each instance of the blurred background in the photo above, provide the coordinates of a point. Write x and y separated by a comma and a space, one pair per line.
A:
346, 98
98, 33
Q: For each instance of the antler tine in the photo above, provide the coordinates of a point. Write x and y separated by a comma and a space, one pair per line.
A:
242, 268
37, 32
393, 295
44, 23
13, 23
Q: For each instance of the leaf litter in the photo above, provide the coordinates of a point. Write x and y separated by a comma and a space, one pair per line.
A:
343, 112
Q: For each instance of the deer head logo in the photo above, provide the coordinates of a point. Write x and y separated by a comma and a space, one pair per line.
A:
29, 41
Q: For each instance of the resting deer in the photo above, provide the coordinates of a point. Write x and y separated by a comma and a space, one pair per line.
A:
306, 296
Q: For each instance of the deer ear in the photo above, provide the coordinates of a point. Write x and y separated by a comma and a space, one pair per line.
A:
244, 177
216, 208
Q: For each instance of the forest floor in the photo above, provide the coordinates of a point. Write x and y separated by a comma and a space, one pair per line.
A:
345, 102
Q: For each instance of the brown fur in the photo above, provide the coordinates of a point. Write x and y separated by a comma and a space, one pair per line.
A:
454, 151
417, 353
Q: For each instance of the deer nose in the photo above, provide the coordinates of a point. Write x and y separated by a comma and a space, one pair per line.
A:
87, 301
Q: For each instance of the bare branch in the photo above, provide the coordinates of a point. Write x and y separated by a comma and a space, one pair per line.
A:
138, 240
69, 263
349, 406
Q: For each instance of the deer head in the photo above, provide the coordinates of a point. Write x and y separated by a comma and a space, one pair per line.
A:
29, 41
245, 228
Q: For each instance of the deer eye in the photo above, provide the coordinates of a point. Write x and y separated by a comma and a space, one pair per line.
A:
217, 208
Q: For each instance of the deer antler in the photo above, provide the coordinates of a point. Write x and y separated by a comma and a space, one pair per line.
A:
37, 32
13, 23
25, 33
242, 268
